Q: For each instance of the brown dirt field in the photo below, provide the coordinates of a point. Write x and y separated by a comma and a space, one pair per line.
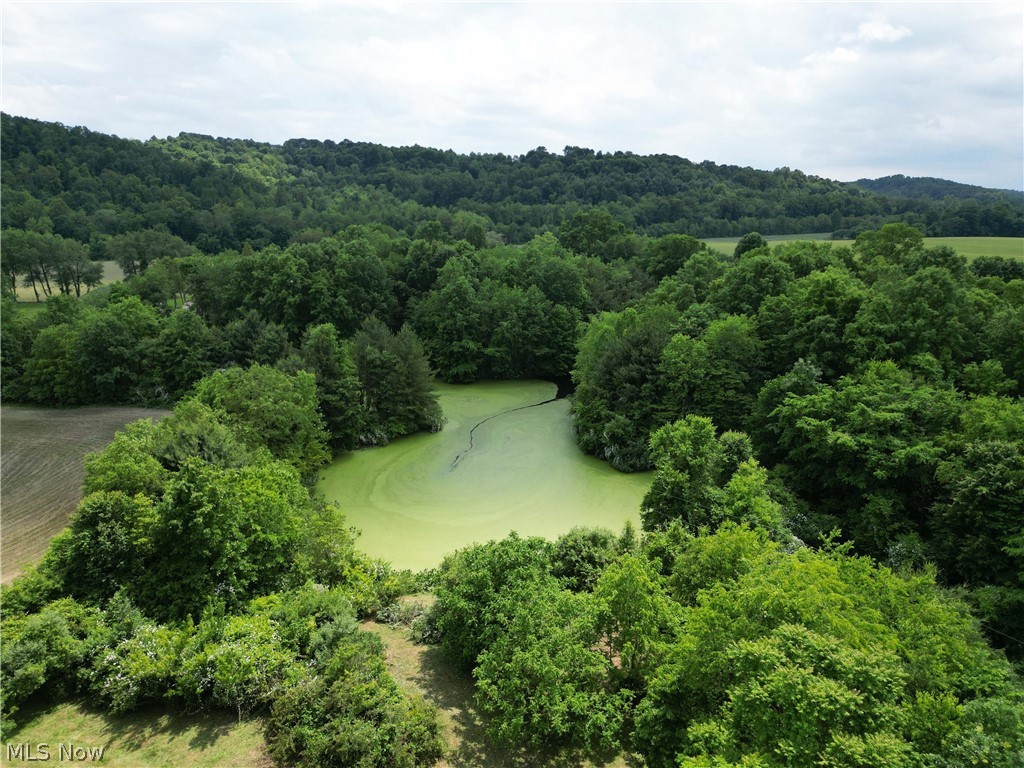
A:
423, 670
41, 452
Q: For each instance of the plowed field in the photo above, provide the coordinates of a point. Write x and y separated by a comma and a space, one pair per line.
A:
41, 452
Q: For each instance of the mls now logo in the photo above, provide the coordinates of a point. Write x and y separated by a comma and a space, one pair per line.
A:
66, 753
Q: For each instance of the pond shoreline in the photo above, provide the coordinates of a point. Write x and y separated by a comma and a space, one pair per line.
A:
423, 496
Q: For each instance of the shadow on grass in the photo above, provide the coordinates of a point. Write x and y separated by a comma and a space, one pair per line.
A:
132, 731
451, 689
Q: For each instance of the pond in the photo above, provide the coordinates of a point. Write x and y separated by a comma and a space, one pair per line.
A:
505, 461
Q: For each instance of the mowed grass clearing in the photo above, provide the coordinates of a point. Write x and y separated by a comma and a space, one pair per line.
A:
969, 247
972, 247
151, 737
112, 273
41, 472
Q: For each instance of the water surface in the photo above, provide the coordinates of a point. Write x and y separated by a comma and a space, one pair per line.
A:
424, 496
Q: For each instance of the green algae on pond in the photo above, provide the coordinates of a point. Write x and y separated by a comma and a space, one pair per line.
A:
424, 496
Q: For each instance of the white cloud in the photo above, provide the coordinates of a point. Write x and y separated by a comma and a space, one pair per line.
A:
879, 31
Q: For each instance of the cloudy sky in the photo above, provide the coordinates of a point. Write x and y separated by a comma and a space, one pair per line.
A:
843, 90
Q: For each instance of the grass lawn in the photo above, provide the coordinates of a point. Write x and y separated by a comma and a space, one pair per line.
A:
152, 737
423, 670
972, 247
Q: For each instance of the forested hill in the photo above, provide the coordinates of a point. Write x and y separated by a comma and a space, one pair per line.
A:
219, 194
929, 188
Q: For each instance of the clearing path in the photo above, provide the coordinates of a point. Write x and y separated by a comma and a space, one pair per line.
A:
423, 670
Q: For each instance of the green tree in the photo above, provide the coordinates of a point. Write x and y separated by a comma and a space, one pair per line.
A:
591, 233
15, 345
470, 583
135, 251
181, 354
222, 534
349, 711
542, 681
109, 352
337, 386
396, 384
809, 322
581, 555
45, 651
687, 467
267, 407
109, 544
978, 531
743, 286
716, 376
925, 313
365, 281
894, 245
617, 386
127, 463
637, 620
749, 242
51, 371
450, 319
667, 255
807, 658
867, 449
195, 431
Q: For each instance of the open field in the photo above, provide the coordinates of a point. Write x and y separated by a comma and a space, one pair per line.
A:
423, 670
152, 737
971, 247
111, 274
41, 472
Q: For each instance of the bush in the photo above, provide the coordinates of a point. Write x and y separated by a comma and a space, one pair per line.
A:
46, 652
351, 713
141, 668
469, 583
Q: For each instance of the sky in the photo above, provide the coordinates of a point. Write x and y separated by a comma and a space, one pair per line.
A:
841, 90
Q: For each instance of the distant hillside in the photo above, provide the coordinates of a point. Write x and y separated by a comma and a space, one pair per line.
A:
220, 194
929, 188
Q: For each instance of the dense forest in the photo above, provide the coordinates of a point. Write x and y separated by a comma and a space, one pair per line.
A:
219, 194
830, 570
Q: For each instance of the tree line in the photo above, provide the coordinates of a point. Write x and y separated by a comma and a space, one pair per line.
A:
219, 194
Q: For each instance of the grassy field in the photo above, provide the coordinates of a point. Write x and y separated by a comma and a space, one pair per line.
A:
970, 247
41, 472
423, 670
149, 738
111, 274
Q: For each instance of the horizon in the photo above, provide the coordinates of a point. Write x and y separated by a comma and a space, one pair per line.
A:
511, 155
840, 91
